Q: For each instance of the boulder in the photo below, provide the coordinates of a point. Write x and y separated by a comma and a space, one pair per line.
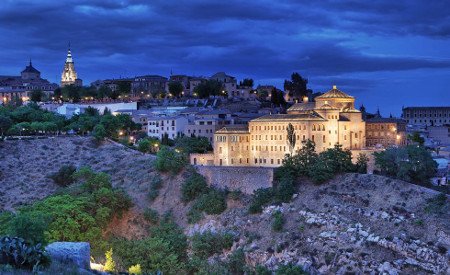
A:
70, 253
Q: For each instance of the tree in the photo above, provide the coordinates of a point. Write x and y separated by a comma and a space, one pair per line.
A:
5, 124
361, 163
411, 163
124, 87
193, 144
291, 138
208, 88
176, 88
247, 82
103, 92
110, 264
277, 98
36, 96
99, 132
297, 86
415, 137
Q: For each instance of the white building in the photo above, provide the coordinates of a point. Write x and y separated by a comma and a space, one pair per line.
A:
70, 109
172, 125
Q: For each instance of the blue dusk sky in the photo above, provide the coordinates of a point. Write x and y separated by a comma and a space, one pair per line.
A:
385, 53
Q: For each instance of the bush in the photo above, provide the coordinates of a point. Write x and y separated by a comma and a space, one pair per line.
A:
194, 215
64, 176
262, 270
135, 269
436, 204
170, 161
278, 221
151, 216
260, 198
213, 202
194, 186
152, 254
155, 185
290, 269
208, 243
30, 226
285, 189
110, 264
20, 254
236, 262
171, 233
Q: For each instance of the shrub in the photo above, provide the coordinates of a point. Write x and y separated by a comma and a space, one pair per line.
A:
436, 204
151, 216
172, 234
152, 254
194, 186
135, 269
278, 221
5, 219
64, 176
155, 185
208, 243
30, 226
235, 195
213, 202
110, 264
194, 215
262, 270
169, 160
20, 254
290, 269
361, 163
260, 198
285, 189
236, 262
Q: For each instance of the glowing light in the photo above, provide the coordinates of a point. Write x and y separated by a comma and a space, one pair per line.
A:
398, 136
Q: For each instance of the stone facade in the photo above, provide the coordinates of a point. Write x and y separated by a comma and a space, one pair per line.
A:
385, 132
331, 119
427, 116
245, 179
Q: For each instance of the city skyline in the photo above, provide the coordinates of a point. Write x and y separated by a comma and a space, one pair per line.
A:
388, 50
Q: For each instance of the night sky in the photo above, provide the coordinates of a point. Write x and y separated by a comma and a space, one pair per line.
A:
385, 53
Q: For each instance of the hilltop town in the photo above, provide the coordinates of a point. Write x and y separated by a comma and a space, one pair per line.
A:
209, 175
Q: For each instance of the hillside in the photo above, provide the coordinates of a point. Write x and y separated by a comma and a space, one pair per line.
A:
354, 223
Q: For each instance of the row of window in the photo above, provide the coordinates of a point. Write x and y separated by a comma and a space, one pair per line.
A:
424, 114
200, 131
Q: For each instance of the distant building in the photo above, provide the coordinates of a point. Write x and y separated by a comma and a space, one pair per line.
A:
385, 132
69, 109
112, 84
331, 120
183, 79
427, 116
21, 86
173, 126
229, 83
148, 84
69, 75
194, 82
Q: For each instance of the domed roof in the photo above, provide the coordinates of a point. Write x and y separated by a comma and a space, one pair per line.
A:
334, 93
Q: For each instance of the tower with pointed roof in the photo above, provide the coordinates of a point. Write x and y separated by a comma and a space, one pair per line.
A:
30, 73
69, 75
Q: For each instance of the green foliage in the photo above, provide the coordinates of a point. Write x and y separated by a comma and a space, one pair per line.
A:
192, 144
5, 124
20, 254
361, 163
5, 219
151, 215
236, 262
213, 202
291, 137
297, 86
285, 189
277, 221
260, 198
73, 217
36, 95
208, 88
194, 215
148, 145
175, 88
64, 176
208, 243
410, 163
437, 204
135, 269
290, 269
416, 138
153, 254
30, 226
194, 186
171, 233
169, 160
155, 185
99, 132
110, 264
262, 270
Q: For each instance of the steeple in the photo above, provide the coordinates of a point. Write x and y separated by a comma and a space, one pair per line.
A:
69, 75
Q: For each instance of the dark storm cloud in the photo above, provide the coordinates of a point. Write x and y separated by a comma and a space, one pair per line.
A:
266, 40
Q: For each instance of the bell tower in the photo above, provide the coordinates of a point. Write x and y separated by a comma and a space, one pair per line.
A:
69, 75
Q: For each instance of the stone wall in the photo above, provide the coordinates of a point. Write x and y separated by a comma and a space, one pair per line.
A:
246, 179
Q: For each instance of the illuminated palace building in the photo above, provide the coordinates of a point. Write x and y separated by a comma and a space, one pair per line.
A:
331, 119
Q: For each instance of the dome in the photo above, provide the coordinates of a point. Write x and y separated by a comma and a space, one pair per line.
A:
334, 93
